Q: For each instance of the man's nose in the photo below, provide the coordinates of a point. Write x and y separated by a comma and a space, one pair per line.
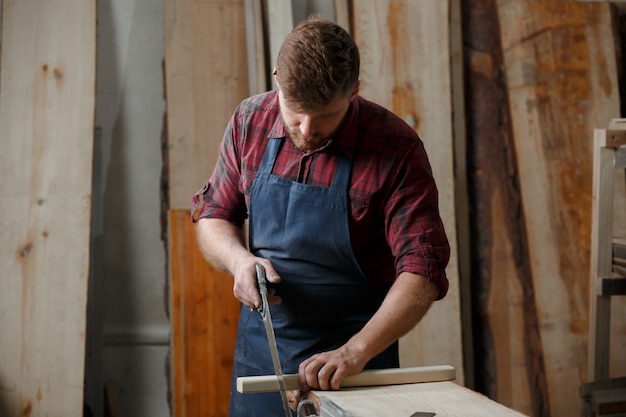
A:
306, 126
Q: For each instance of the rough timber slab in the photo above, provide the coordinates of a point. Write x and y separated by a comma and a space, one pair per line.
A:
47, 104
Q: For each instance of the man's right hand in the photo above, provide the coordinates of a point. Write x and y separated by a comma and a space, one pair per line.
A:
245, 286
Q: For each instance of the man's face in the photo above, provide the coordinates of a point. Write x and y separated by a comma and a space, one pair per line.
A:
310, 130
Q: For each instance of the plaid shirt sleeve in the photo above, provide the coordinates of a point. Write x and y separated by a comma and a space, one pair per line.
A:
414, 228
225, 201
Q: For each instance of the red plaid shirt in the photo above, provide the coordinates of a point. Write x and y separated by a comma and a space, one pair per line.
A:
394, 223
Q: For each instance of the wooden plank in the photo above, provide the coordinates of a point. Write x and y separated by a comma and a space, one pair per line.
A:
47, 106
204, 317
206, 76
502, 306
375, 377
441, 398
561, 80
405, 66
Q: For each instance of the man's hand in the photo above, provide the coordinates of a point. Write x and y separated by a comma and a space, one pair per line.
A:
222, 244
326, 370
245, 287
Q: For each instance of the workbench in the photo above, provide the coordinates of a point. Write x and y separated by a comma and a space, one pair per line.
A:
444, 398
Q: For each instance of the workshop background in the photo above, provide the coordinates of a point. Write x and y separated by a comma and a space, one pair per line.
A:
110, 117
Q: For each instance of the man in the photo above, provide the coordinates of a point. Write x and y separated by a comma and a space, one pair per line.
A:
342, 213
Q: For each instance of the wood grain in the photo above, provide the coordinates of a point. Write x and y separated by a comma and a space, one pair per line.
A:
204, 315
47, 104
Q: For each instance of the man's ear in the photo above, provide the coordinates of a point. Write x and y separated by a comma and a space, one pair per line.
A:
275, 74
355, 92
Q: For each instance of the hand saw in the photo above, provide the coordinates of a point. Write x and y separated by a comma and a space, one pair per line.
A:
271, 338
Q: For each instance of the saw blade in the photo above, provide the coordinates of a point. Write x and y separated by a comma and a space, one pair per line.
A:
271, 338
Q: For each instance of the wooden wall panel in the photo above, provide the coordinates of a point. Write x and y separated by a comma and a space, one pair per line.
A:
406, 66
47, 101
204, 326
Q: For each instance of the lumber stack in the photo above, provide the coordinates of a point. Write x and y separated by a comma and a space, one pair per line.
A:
47, 102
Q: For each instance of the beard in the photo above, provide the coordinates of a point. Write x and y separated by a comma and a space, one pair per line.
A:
306, 143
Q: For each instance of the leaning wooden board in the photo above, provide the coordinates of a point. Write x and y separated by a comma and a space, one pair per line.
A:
440, 399
406, 66
204, 325
560, 70
47, 106
206, 75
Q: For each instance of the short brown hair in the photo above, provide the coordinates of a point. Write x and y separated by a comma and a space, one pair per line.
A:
317, 61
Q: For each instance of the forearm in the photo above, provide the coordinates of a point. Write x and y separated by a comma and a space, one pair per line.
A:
407, 302
221, 243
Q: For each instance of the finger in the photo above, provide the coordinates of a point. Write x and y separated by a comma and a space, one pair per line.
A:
307, 372
324, 376
245, 290
335, 380
270, 273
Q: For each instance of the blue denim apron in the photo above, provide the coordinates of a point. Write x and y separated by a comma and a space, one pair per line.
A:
303, 230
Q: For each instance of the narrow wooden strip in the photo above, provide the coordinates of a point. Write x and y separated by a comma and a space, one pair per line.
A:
376, 377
